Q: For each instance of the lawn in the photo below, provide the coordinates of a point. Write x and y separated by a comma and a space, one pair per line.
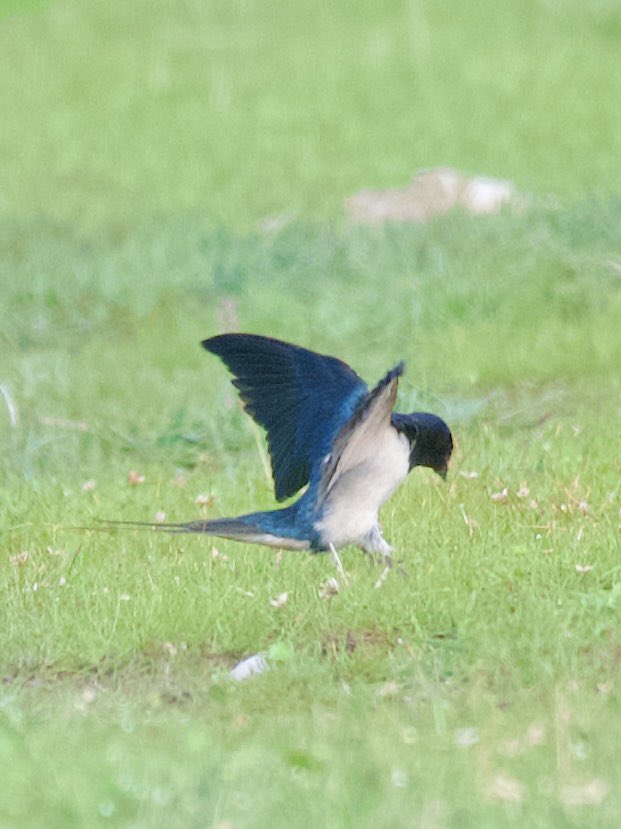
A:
169, 171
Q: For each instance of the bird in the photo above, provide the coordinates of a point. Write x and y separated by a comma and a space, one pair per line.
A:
329, 435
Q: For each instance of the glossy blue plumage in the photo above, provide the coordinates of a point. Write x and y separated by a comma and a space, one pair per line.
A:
325, 429
301, 399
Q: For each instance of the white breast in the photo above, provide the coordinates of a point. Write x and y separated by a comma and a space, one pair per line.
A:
375, 464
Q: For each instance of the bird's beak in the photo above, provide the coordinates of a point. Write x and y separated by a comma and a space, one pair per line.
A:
442, 469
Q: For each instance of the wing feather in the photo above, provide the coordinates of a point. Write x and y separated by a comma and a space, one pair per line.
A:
355, 443
301, 398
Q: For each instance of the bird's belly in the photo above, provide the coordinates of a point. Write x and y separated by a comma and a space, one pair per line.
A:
352, 504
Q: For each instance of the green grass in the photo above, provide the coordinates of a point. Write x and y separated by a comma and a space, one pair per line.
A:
141, 147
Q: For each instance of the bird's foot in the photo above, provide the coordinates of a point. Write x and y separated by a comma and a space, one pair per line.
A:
379, 550
377, 557
375, 545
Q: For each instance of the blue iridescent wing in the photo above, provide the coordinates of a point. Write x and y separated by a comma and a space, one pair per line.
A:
302, 400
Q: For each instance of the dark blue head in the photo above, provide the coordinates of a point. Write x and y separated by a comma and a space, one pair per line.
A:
431, 442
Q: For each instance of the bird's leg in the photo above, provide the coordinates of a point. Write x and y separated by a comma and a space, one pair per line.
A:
375, 545
337, 562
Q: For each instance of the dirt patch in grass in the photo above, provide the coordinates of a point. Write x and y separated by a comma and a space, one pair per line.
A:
351, 641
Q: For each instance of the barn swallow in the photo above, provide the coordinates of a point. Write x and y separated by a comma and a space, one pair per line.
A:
328, 432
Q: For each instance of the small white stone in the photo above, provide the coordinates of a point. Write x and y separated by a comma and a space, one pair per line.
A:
330, 587
280, 600
399, 778
465, 737
249, 667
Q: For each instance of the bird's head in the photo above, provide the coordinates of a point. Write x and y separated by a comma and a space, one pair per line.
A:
431, 442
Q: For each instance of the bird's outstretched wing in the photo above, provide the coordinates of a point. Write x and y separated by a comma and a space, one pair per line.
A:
360, 443
302, 399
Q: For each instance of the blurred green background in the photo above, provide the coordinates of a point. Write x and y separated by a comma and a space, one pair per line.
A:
241, 110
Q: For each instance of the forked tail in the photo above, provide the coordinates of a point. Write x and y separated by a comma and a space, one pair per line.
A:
257, 528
